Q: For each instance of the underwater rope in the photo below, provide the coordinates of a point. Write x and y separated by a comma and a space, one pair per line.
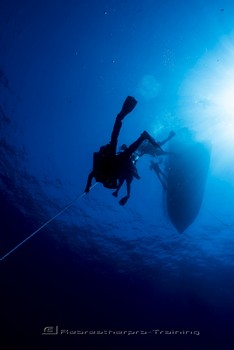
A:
47, 222
217, 218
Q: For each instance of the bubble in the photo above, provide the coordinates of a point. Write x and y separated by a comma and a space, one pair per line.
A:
148, 87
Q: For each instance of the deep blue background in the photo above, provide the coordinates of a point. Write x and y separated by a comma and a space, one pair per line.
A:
65, 70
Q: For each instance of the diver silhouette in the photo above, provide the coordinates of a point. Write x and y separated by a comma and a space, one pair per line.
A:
109, 167
161, 176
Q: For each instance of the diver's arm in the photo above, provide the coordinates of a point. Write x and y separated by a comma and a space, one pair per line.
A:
89, 182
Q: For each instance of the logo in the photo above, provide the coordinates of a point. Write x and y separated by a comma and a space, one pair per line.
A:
50, 330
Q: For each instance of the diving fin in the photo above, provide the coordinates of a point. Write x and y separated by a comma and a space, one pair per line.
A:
128, 105
123, 200
115, 194
148, 137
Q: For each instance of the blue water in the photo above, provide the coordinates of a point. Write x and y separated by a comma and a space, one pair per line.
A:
65, 69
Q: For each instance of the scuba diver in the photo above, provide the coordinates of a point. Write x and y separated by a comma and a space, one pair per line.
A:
147, 148
109, 167
154, 166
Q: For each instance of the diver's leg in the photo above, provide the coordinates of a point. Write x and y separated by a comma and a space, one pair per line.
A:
125, 199
128, 182
116, 192
161, 180
163, 175
128, 105
115, 133
134, 146
160, 172
159, 177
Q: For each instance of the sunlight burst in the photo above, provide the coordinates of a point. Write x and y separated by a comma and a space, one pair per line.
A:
207, 101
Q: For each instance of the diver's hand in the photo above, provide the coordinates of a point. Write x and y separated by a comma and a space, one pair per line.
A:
87, 189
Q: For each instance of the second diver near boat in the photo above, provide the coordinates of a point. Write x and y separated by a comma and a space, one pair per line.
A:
160, 174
